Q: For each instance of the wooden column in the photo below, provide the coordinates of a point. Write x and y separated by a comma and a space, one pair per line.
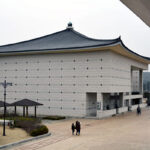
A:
23, 111
15, 110
35, 112
26, 111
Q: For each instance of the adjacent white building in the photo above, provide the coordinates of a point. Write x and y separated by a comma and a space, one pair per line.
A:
73, 75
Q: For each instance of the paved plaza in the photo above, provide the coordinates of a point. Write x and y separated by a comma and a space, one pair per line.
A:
123, 132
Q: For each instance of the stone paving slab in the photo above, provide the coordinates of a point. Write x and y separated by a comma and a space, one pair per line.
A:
23, 141
123, 132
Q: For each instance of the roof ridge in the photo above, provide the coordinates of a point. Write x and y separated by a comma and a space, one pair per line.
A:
33, 39
49, 35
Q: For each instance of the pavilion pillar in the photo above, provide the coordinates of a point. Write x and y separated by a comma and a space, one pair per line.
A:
23, 111
15, 110
26, 111
6, 109
35, 112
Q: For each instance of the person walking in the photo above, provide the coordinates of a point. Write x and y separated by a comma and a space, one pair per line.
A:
138, 110
73, 128
78, 127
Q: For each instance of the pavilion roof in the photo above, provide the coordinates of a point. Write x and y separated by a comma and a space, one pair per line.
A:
2, 104
25, 102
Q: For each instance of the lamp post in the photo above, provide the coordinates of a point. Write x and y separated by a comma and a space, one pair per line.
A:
5, 84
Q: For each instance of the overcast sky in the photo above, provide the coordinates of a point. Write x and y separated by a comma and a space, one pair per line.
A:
102, 19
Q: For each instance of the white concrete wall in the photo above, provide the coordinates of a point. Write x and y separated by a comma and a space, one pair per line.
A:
60, 81
120, 72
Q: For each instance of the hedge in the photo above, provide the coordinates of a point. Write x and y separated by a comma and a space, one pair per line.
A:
41, 129
54, 117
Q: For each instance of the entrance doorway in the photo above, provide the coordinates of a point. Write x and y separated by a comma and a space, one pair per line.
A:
91, 103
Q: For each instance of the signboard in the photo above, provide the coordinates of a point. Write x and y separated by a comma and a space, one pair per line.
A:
98, 105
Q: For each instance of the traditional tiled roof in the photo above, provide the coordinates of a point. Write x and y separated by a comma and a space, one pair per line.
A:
67, 40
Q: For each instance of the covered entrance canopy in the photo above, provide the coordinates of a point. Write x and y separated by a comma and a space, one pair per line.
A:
25, 103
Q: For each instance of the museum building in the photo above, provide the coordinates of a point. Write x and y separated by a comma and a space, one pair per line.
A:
73, 75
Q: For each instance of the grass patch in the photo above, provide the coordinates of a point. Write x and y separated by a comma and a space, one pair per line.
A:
31, 125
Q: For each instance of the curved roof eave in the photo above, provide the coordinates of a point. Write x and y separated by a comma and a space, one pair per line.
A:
131, 54
111, 46
148, 58
69, 49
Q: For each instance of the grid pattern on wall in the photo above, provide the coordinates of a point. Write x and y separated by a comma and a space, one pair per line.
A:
60, 81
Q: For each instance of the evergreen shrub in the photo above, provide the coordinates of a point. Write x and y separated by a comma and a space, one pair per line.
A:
54, 117
39, 130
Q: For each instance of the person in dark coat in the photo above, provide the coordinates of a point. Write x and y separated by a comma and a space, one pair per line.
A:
138, 110
73, 128
78, 128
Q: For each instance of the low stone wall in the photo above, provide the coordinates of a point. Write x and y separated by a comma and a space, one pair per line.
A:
143, 105
123, 109
107, 113
134, 107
